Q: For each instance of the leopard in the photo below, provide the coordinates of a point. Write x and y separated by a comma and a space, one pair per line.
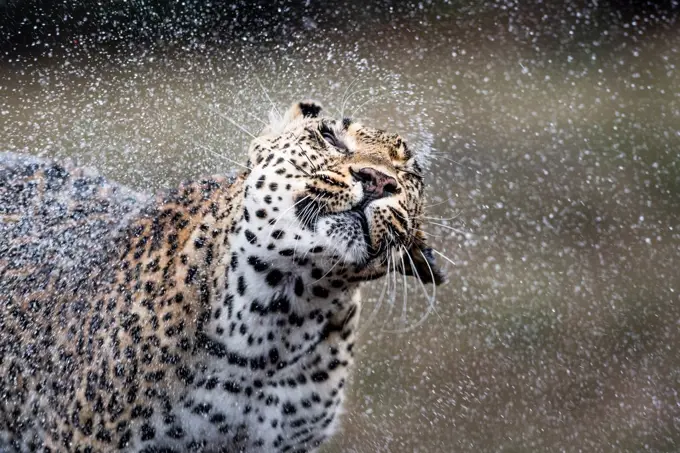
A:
218, 316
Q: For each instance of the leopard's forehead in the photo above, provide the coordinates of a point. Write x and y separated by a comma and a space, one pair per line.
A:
352, 140
305, 124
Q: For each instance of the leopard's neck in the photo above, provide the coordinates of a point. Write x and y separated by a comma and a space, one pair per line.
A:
225, 291
274, 336
227, 324
269, 319
272, 307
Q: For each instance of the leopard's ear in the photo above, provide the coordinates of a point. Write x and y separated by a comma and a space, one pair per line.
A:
305, 109
419, 262
299, 110
302, 109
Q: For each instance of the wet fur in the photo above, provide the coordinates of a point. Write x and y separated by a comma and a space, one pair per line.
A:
218, 317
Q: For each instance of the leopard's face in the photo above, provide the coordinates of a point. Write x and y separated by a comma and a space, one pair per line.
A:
348, 195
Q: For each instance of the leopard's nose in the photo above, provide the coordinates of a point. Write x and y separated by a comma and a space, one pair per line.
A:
376, 184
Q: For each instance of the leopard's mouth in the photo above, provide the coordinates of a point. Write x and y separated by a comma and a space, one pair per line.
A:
359, 214
312, 213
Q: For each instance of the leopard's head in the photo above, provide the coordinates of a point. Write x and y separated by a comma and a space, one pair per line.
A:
340, 193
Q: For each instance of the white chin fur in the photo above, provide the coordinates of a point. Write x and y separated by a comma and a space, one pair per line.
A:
344, 237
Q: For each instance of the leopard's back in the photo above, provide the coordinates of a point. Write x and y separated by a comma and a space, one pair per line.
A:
58, 230
56, 222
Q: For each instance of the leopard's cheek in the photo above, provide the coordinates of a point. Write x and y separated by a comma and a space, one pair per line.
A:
335, 191
412, 198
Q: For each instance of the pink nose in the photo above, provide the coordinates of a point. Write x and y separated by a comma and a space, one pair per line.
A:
376, 184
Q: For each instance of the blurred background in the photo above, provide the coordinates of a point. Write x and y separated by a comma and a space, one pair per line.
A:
554, 185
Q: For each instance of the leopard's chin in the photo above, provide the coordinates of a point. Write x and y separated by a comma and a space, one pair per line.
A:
346, 237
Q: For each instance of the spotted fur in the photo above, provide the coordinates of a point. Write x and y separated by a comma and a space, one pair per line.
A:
218, 317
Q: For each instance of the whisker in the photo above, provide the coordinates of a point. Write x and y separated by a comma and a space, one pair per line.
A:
439, 203
305, 216
431, 300
256, 118
226, 118
352, 94
264, 90
378, 303
434, 285
442, 219
455, 230
443, 256
404, 304
309, 211
414, 325
440, 156
428, 234
355, 111
305, 172
417, 275
205, 148
391, 296
329, 271
388, 278
304, 153
280, 216
314, 214
344, 95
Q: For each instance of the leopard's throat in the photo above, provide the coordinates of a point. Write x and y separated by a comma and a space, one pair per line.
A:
256, 335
